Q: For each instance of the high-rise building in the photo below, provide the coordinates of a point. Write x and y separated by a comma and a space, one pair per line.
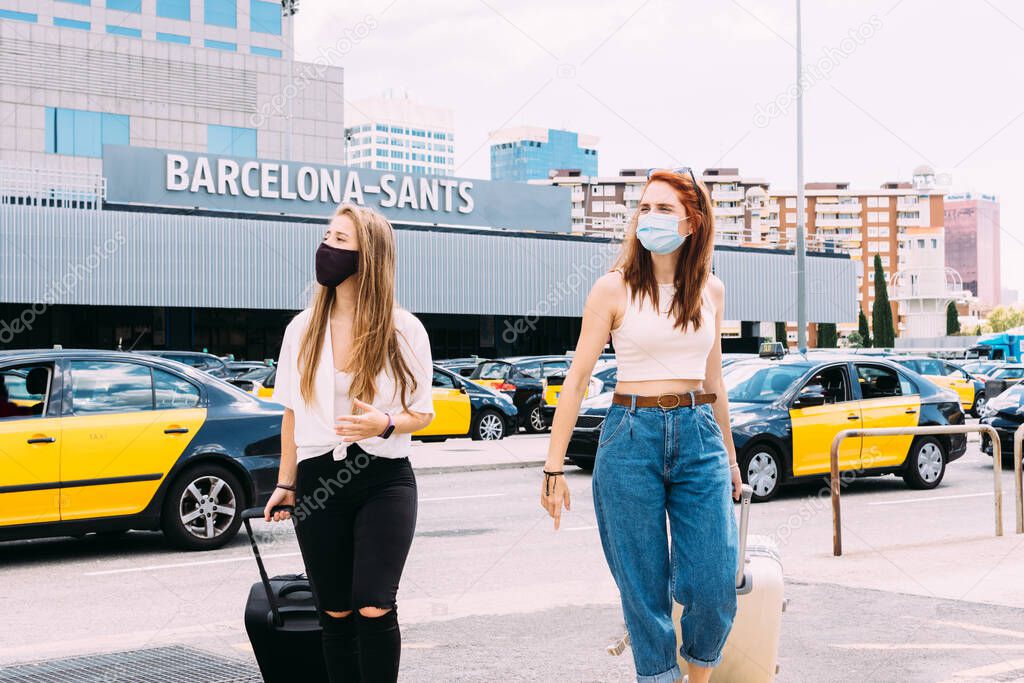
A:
174, 74
901, 222
972, 244
395, 133
529, 153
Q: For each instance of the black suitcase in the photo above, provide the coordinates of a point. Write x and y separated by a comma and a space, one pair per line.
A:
282, 621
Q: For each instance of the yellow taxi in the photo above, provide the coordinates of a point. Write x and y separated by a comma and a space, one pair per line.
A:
949, 376
464, 408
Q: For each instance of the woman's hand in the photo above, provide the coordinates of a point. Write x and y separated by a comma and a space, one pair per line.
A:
371, 422
554, 494
277, 498
737, 480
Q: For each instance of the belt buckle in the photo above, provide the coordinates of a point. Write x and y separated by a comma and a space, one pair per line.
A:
664, 407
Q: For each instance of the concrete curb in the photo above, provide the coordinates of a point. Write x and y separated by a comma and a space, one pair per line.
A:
481, 467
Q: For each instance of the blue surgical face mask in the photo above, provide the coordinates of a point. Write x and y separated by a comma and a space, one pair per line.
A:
659, 232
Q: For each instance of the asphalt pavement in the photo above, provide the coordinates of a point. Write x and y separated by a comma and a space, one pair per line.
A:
924, 591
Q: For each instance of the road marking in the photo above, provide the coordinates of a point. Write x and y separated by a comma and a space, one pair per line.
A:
928, 646
931, 498
178, 565
479, 495
980, 629
989, 670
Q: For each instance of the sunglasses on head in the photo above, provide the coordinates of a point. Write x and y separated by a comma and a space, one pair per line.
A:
682, 170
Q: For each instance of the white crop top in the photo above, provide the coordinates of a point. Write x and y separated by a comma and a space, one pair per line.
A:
649, 347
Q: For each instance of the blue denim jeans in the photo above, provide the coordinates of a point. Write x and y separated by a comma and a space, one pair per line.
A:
651, 464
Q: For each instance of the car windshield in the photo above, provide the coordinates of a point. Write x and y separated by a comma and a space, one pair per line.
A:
1008, 373
256, 374
761, 382
491, 370
1011, 395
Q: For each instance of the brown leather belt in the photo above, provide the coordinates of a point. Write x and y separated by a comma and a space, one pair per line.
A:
665, 401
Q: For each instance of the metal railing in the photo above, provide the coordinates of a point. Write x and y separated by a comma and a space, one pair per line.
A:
1018, 480
997, 468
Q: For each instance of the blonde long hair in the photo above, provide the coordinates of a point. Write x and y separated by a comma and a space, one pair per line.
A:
374, 337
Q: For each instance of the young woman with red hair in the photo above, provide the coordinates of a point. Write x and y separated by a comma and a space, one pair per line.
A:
665, 447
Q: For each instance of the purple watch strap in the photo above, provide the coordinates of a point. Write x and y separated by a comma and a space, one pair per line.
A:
390, 428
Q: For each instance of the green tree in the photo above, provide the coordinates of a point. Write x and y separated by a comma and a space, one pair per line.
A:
780, 332
827, 336
855, 340
881, 311
1003, 318
862, 329
952, 318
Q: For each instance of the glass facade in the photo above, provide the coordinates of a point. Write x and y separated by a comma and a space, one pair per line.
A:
220, 45
522, 160
124, 31
19, 16
231, 140
125, 5
71, 23
173, 38
220, 13
265, 17
265, 51
173, 9
83, 133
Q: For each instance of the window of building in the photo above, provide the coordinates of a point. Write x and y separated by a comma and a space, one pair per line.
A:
18, 16
124, 31
78, 2
220, 13
231, 140
265, 17
883, 202
83, 133
220, 45
71, 23
173, 38
125, 5
173, 9
790, 202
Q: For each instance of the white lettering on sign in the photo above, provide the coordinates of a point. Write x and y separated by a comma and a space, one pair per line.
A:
269, 180
177, 172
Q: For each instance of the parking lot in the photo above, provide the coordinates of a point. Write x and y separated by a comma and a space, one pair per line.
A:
924, 591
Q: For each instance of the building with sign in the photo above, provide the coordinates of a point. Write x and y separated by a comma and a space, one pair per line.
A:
531, 153
213, 77
392, 133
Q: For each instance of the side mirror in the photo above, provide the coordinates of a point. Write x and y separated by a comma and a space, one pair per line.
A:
809, 399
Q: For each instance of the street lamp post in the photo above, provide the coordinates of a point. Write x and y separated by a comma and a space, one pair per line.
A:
288, 11
801, 212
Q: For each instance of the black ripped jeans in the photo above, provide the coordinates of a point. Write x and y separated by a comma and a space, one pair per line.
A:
355, 520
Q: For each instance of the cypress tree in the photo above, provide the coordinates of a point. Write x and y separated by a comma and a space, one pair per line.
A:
952, 319
828, 337
780, 332
881, 311
862, 328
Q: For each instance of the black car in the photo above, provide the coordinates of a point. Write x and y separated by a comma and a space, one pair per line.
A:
1005, 412
463, 367
253, 379
785, 412
236, 368
207, 362
106, 441
521, 378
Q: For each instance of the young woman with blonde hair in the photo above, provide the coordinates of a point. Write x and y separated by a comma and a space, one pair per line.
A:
354, 376
665, 449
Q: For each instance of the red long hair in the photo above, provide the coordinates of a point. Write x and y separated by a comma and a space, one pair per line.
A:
694, 263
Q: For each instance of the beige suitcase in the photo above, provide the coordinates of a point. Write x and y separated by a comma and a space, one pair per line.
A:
752, 650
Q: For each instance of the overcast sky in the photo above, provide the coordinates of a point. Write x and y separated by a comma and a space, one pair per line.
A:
893, 84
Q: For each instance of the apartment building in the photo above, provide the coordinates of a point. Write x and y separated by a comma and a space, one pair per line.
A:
396, 133
972, 244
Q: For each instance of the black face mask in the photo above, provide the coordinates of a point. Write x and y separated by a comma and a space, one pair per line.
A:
334, 265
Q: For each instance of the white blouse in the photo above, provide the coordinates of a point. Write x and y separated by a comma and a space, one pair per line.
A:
315, 423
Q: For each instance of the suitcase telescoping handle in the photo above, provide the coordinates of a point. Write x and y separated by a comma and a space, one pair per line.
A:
254, 513
746, 493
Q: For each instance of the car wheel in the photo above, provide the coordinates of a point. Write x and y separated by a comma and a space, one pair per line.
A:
926, 463
762, 469
203, 507
979, 405
535, 422
488, 425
